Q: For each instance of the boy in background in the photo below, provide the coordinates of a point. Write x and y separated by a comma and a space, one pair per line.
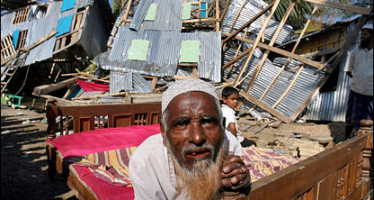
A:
230, 98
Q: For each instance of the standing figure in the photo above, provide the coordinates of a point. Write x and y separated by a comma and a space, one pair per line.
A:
360, 70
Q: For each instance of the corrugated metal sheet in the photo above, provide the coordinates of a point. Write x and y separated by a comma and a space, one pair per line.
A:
131, 82
331, 106
295, 97
164, 52
120, 81
140, 14
250, 9
39, 28
168, 16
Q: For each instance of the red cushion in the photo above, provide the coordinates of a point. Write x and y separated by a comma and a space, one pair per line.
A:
99, 140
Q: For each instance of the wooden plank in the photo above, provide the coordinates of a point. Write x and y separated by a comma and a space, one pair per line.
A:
272, 42
327, 187
46, 89
289, 87
341, 6
217, 16
256, 42
266, 107
211, 19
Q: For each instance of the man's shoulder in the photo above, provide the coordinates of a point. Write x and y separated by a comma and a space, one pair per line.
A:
152, 142
150, 151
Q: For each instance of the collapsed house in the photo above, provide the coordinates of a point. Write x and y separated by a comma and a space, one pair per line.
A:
52, 38
229, 43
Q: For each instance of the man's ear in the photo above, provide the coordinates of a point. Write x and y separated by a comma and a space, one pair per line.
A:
163, 133
162, 130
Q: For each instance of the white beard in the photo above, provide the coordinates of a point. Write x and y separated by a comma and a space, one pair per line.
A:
202, 182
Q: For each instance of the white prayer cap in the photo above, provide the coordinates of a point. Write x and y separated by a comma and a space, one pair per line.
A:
368, 26
187, 85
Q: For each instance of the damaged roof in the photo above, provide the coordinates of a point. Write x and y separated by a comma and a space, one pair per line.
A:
44, 19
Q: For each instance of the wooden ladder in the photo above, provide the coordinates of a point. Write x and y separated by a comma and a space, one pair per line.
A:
7, 75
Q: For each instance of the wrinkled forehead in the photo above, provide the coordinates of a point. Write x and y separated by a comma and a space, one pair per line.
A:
194, 101
184, 86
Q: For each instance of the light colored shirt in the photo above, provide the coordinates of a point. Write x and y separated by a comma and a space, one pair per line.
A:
229, 114
360, 64
152, 172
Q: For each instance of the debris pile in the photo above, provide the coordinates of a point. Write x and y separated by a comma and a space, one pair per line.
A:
152, 43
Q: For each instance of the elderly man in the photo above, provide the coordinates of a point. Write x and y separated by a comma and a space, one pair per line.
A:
191, 158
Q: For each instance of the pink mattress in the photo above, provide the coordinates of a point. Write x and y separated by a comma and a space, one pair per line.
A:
99, 140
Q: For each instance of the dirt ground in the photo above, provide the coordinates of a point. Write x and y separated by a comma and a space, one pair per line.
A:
24, 162
23, 158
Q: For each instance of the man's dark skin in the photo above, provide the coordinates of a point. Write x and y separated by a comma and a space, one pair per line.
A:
193, 120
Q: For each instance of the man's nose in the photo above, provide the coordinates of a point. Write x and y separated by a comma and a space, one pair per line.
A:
196, 134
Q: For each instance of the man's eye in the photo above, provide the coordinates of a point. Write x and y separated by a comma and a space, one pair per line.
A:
209, 121
181, 122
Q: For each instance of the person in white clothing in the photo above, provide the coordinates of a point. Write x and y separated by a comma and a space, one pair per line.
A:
190, 158
230, 98
360, 70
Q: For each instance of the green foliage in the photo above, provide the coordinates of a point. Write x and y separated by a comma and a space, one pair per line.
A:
116, 7
298, 15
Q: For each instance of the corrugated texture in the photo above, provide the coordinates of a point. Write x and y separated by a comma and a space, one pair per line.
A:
168, 16
295, 97
331, 106
120, 81
131, 82
39, 28
209, 65
164, 52
83, 3
250, 9
140, 14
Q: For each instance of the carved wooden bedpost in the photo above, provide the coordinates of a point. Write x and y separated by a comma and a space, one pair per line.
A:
366, 155
51, 114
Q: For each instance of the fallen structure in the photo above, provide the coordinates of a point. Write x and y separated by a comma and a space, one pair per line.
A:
57, 37
230, 43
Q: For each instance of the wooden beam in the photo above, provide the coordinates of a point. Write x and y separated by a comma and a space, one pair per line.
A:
248, 23
288, 88
46, 89
101, 95
217, 16
200, 20
33, 45
346, 7
282, 52
266, 107
272, 42
257, 41
289, 59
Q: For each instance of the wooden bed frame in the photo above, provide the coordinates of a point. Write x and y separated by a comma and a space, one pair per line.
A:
91, 117
342, 172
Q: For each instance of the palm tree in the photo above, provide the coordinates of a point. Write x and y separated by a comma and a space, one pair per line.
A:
298, 15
